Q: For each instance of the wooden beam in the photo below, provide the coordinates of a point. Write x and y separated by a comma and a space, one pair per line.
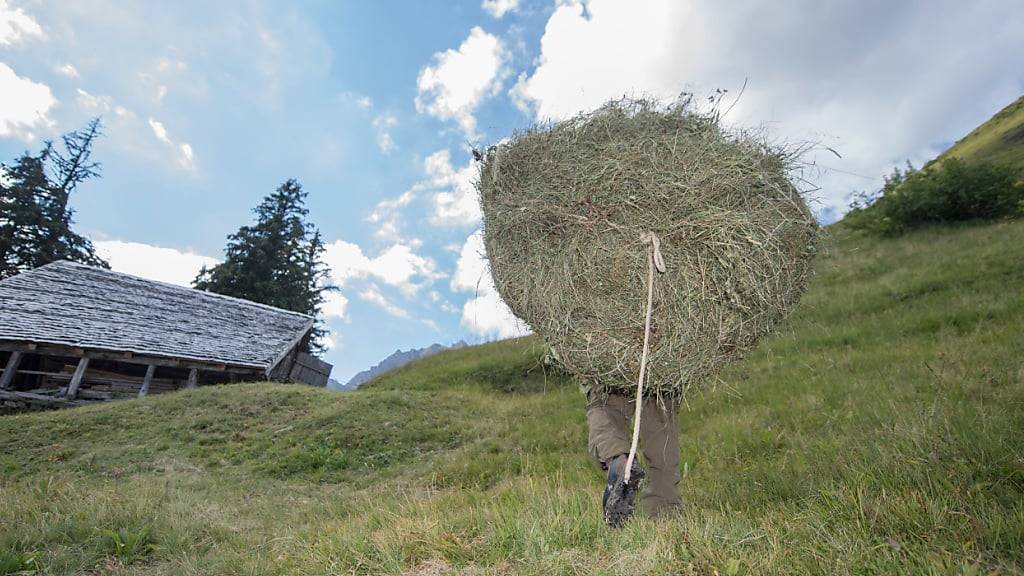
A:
68, 351
39, 399
44, 373
147, 380
76, 380
12, 368
193, 378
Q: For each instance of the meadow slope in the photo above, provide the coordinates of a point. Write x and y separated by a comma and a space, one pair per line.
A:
879, 432
1000, 139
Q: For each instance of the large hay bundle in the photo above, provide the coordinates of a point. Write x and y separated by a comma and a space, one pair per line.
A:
565, 206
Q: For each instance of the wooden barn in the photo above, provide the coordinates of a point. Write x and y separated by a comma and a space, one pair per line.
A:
72, 334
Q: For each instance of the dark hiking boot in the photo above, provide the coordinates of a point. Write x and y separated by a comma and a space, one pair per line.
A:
620, 496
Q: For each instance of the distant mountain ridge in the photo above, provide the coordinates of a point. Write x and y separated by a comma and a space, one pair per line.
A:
396, 360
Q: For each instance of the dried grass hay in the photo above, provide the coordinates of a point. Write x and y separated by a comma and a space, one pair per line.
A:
566, 204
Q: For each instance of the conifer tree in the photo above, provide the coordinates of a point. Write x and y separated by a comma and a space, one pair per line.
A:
35, 220
275, 261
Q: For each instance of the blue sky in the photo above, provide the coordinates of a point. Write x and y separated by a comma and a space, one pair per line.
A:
208, 106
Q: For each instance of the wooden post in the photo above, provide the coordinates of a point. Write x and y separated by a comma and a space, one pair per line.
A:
193, 376
150, 370
76, 380
12, 368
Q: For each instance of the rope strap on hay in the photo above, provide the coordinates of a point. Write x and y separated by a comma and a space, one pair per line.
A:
654, 262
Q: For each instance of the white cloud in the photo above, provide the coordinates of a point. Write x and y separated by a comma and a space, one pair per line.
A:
94, 104
185, 160
394, 203
386, 216
383, 124
335, 305
372, 294
498, 8
916, 81
67, 70
606, 49
161, 92
484, 314
153, 262
459, 80
159, 131
331, 340
459, 204
171, 65
360, 101
396, 266
453, 199
472, 273
184, 155
16, 26
26, 104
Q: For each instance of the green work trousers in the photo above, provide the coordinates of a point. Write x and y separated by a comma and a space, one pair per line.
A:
610, 418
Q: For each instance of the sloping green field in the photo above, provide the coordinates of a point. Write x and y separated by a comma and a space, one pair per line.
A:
881, 432
999, 140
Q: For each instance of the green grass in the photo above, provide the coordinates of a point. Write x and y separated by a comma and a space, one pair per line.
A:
880, 432
999, 140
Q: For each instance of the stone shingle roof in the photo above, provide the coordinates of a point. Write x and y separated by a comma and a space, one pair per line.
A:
75, 305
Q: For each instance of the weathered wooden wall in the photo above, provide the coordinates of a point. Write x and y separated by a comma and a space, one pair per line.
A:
51, 377
309, 370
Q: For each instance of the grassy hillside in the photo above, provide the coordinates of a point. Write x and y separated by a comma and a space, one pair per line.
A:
879, 433
1000, 139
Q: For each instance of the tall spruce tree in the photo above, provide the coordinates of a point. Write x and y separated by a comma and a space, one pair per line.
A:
35, 220
276, 261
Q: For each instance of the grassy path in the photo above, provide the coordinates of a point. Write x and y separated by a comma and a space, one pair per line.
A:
880, 433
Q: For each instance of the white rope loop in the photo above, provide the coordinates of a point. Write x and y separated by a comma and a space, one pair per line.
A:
654, 262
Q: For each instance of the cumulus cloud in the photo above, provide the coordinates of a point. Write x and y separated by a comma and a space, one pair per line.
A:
386, 215
16, 26
906, 89
457, 204
498, 8
26, 105
590, 54
331, 340
153, 262
373, 295
383, 124
184, 155
484, 313
454, 200
364, 102
398, 266
460, 79
335, 305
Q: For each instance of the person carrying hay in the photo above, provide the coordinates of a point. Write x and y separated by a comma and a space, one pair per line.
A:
609, 419
649, 247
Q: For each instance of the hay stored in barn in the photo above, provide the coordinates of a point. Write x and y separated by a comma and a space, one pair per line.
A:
567, 207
